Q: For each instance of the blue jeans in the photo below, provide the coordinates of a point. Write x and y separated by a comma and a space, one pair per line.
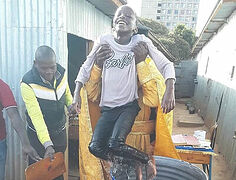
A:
3, 154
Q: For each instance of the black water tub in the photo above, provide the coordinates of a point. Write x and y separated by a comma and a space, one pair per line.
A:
170, 169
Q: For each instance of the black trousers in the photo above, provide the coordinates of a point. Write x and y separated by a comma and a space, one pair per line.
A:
59, 142
112, 130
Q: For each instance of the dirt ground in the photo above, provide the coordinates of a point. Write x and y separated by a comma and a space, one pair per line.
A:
220, 170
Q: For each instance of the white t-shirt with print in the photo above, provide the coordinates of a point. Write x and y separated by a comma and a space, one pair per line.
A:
119, 75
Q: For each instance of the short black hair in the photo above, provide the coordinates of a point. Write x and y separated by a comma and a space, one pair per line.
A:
44, 53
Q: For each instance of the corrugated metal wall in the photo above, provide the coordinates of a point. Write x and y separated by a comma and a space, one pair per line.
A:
217, 85
208, 95
227, 127
185, 72
86, 21
27, 24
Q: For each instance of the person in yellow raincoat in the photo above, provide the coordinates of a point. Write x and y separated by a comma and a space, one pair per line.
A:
151, 91
119, 94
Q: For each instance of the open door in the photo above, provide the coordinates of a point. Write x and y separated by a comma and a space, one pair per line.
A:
78, 49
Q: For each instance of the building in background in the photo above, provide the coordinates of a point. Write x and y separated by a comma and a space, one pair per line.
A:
169, 12
215, 93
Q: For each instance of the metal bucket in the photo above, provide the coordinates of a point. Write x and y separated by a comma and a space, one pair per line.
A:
171, 169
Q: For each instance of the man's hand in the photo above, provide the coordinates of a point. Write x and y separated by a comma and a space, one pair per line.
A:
75, 106
49, 152
140, 52
104, 52
168, 101
30, 151
72, 112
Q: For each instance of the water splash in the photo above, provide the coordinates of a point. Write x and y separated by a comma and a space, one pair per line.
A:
123, 168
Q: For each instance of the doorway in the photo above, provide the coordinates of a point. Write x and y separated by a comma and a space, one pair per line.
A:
78, 49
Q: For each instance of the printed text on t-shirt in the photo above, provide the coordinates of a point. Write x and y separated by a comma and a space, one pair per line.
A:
119, 62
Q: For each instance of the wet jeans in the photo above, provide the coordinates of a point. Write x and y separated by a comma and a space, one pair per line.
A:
3, 153
112, 130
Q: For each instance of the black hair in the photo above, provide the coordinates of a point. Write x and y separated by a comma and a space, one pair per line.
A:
44, 53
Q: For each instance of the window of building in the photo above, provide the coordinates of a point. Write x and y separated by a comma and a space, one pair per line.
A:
163, 11
163, 5
174, 24
167, 17
167, 24
158, 17
189, 5
169, 11
159, 4
176, 18
195, 6
181, 18
194, 12
158, 11
182, 5
188, 12
182, 12
187, 19
176, 12
170, 5
177, 5
194, 19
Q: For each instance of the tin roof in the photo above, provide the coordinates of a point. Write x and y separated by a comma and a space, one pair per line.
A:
219, 16
108, 7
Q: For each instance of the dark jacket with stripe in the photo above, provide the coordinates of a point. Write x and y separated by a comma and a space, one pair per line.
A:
51, 108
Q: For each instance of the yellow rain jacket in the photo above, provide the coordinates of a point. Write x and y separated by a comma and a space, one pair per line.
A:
151, 91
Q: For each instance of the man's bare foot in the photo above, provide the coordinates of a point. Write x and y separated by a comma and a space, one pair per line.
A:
151, 169
139, 175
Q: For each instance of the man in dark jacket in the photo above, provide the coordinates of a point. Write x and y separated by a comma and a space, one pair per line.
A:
45, 92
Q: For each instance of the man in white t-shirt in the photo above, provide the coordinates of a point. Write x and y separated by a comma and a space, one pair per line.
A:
117, 55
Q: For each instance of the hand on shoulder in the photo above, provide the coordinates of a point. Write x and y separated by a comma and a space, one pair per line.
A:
140, 51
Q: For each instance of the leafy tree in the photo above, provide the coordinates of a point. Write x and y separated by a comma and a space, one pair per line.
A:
177, 46
187, 34
154, 26
178, 43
